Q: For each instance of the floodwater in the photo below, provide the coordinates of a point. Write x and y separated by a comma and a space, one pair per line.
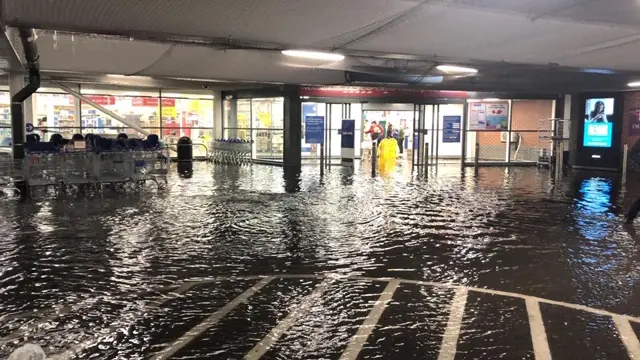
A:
106, 264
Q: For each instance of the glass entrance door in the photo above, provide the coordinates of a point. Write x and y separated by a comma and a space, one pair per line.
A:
333, 114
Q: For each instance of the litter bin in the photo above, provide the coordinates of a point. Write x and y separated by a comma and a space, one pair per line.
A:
185, 157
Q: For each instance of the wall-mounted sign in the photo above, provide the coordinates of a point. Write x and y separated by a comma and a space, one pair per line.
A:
634, 123
489, 116
314, 130
598, 123
451, 129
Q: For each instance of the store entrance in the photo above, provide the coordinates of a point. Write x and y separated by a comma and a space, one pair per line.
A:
333, 114
437, 135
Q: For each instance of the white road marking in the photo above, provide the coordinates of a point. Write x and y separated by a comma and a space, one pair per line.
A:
452, 332
358, 341
538, 333
274, 335
199, 329
628, 337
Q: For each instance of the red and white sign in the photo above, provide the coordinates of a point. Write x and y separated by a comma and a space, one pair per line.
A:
152, 102
102, 100
379, 92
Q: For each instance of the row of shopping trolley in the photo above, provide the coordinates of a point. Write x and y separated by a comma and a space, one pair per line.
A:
85, 169
231, 151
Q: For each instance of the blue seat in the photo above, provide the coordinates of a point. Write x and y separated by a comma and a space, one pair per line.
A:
37, 147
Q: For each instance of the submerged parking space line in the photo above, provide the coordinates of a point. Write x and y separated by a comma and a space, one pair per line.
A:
538, 334
452, 331
301, 309
214, 318
72, 351
358, 341
628, 337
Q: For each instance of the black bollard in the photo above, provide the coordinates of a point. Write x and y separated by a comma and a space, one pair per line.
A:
185, 157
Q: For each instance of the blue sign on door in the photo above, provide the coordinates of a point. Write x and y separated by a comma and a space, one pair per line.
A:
451, 129
314, 130
29, 127
348, 134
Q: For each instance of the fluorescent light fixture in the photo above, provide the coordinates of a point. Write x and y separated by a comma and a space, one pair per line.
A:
634, 84
315, 55
491, 99
453, 69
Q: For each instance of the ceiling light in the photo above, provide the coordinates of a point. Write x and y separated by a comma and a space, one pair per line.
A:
316, 55
491, 99
452, 69
634, 84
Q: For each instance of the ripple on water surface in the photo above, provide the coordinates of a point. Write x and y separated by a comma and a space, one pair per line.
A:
512, 230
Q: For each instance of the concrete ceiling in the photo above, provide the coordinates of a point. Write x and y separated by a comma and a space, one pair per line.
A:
528, 45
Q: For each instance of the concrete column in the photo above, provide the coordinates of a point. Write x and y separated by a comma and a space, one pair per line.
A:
78, 110
232, 118
218, 114
292, 129
572, 112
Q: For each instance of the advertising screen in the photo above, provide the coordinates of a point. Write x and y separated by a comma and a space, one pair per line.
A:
598, 126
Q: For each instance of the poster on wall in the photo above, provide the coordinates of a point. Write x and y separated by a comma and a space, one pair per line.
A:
314, 130
634, 123
451, 129
477, 117
598, 122
497, 115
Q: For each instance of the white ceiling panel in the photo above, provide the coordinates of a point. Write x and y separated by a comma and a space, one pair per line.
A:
464, 33
110, 56
293, 22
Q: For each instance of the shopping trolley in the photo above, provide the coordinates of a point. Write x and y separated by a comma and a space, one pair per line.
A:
78, 169
42, 169
231, 151
151, 165
115, 167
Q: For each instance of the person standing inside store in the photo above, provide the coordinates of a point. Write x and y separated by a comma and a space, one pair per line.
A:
42, 125
400, 139
376, 132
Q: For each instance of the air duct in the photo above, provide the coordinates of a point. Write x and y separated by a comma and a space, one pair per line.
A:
28, 39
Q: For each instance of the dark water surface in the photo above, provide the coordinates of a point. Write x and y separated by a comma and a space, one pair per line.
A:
508, 229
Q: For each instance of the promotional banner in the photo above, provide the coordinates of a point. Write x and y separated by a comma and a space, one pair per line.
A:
451, 129
489, 116
634, 123
348, 139
314, 130
477, 117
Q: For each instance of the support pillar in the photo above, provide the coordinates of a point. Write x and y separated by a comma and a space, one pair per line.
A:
218, 114
572, 111
16, 83
292, 128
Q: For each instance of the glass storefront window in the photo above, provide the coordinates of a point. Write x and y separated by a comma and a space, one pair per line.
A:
142, 111
54, 113
5, 118
268, 124
188, 117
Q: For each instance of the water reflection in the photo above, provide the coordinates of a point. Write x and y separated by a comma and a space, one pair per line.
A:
509, 230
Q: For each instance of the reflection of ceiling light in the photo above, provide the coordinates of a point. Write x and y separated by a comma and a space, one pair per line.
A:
634, 84
316, 55
452, 69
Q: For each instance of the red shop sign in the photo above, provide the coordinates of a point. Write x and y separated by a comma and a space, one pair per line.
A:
379, 92
144, 101
102, 100
169, 102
